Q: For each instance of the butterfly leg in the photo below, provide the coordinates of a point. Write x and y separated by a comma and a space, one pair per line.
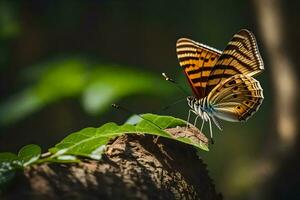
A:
202, 125
210, 129
195, 122
188, 119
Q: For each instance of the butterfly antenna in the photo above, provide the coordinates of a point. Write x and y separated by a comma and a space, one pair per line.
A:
177, 85
172, 104
133, 113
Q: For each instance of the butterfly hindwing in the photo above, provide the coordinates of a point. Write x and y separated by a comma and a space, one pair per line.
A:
197, 61
241, 56
237, 98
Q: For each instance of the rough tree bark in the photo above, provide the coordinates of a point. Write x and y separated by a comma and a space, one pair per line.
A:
133, 167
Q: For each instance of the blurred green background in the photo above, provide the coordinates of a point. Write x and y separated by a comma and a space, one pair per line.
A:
64, 62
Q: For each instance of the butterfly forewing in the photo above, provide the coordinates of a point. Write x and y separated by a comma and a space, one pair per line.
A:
237, 98
197, 61
241, 56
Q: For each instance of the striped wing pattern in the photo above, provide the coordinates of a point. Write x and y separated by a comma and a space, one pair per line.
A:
241, 56
237, 98
197, 61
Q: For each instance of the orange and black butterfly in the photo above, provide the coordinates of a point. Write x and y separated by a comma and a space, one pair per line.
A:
222, 81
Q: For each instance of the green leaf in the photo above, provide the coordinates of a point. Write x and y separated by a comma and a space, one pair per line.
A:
90, 142
29, 154
10, 163
8, 157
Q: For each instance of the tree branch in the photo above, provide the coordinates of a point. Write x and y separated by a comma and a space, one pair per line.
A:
133, 167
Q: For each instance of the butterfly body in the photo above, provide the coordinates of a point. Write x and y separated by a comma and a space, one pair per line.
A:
222, 81
200, 107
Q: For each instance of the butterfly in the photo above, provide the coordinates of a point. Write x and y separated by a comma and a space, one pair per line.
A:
222, 81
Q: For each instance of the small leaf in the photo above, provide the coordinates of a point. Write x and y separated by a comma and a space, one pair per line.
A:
10, 163
8, 157
29, 154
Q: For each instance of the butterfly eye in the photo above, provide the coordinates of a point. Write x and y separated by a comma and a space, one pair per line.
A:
235, 88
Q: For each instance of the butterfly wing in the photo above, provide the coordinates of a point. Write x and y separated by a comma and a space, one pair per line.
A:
241, 56
197, 61
237, 98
